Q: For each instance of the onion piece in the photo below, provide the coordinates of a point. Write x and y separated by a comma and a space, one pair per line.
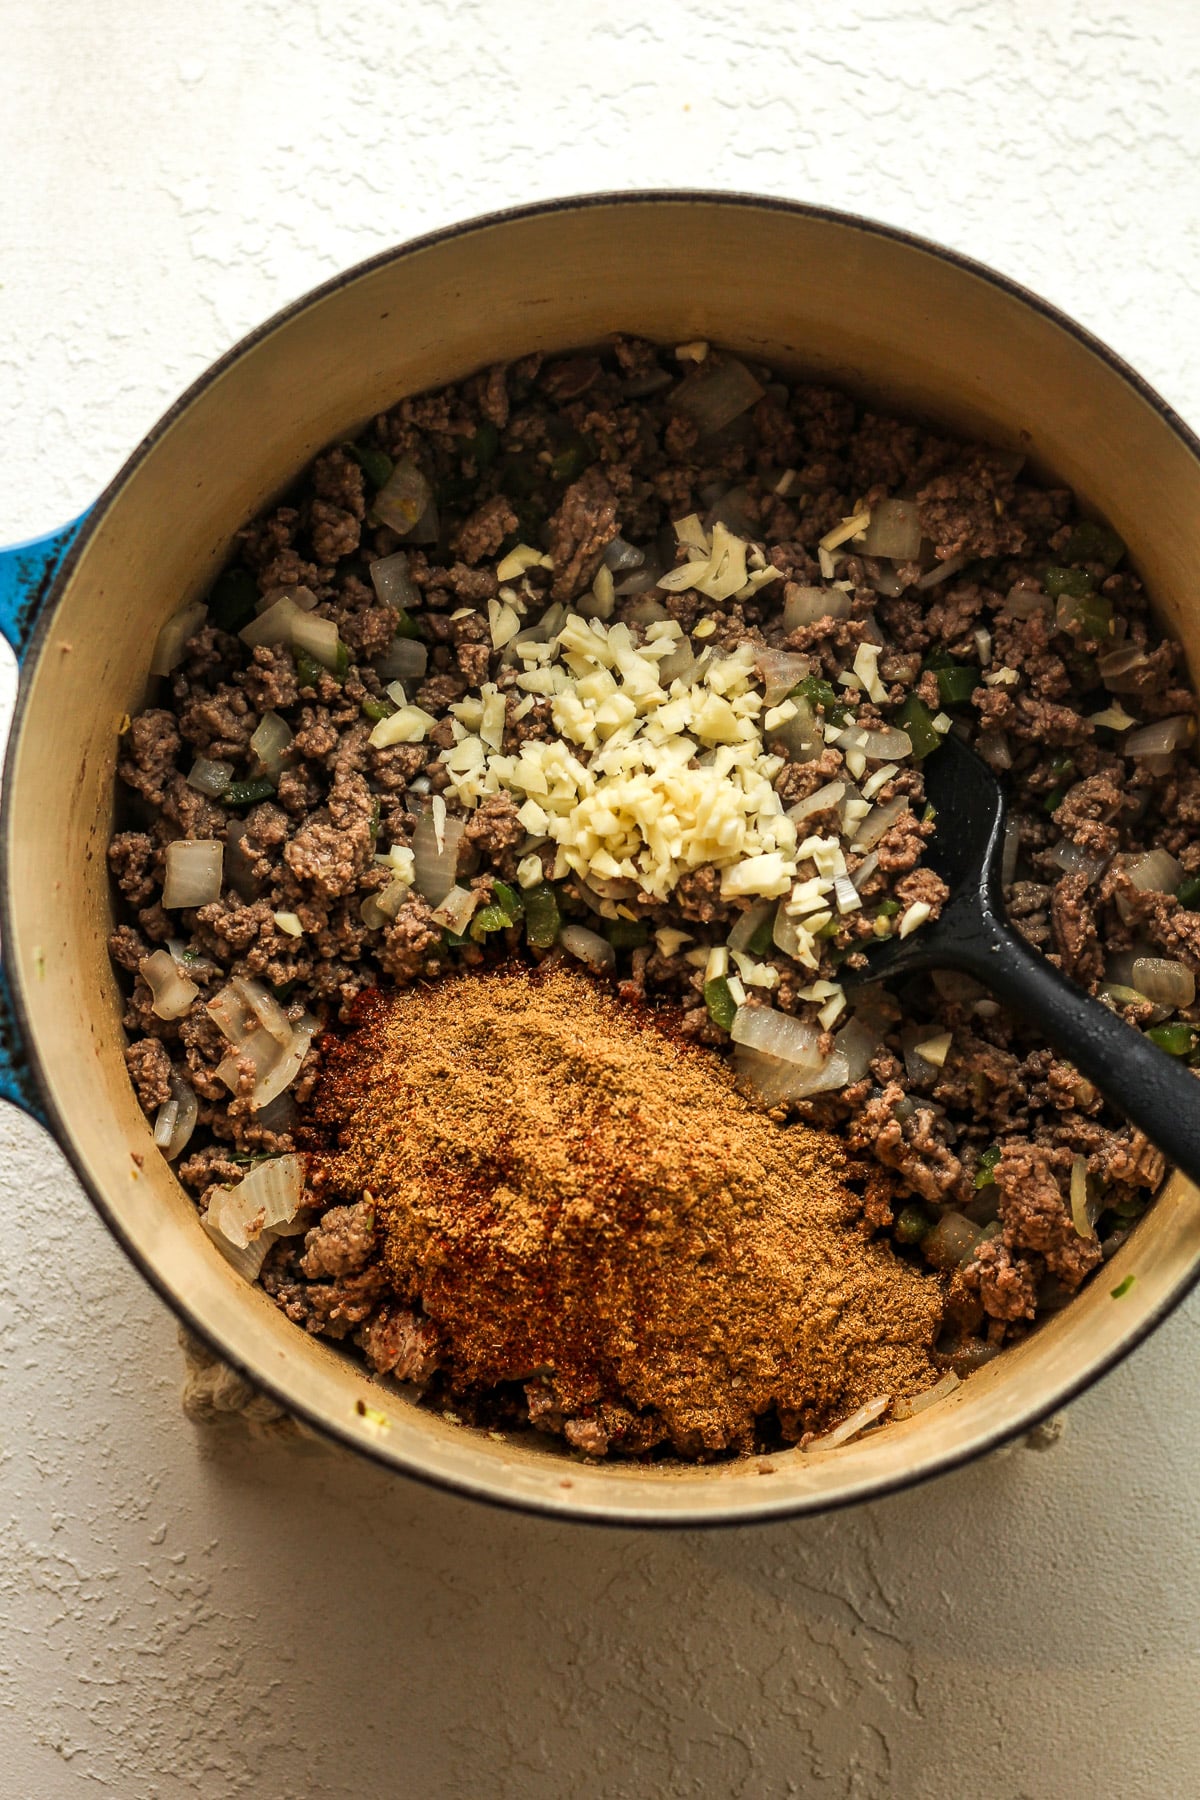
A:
859, 1045
894, 531
589, 947
995, 750
716, 395
393, 583
801, 735
248, 1262
404, 499
274, 626
850, 1428
186, 1113
456, 909
941, 572
283, 1072
809, 605
1160, 738
194, 869
819, 801
779, 1035
164, 1122
865, 870
261, 1002
1023, 602
1163, 980
268, 1196
646, 611
232, 1015
906, 1409
748, 923
1074, 860
172, 992
405, 659
173, 638
1079, 1199
435, 863
259, 1049
620, 555
318, 636
879, 821
780, 671
879, 746
211, 778
952, 1242
270, 743
1154, 872
1119, 669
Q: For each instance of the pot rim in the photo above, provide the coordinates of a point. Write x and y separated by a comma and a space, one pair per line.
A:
627, 1517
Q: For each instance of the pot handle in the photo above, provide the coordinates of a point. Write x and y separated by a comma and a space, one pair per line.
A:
27, 573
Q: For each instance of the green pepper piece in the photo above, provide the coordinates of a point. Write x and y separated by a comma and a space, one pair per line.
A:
823, 694
406, 625
454, 940
509, 901
1095, 616
1054, 799
489, 918
911, 1225
483, 446
887, 909
627, 934
543, 921
762, 939
916, 719
375, 710
828, 929
1188, 893
233, 599
1176, 1039
572, 459
308, 670
985, 1169
1092, 542
247, 793
1123, 1287
720, 1002
956, 683
1075, 583
376, 465
343, 661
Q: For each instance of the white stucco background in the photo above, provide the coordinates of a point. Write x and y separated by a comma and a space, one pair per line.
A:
188, 1613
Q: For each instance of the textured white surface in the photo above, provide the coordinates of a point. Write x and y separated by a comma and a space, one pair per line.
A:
182, 1615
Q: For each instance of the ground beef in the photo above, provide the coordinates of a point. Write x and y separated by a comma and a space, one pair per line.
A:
483, 533
149, 1066
583, 525
341, 1243
400, 1343
1035, 1215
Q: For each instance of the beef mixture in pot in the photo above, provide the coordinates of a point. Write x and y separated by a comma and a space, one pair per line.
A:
628, 662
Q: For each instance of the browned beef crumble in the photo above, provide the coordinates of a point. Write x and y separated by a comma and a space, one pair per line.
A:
566, 455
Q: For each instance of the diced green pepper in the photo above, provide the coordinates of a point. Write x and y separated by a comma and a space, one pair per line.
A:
1123, 1287
956, 683
342, 661
406, 625
543, 921
1095, 616
454, 940
762, 939
489, 918
627, 934
508, 900
1188, 893
912, 1223
375, 710
308, 670
823, 694
572, 460
985, 1168
720, 1002
233, 599
1176, 1039
247, 793
1092, 542
828, 929
483, 446
887, 909
376, 465
916, 719
1075, 583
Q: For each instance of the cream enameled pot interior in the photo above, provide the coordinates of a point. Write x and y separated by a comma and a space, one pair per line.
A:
886, 317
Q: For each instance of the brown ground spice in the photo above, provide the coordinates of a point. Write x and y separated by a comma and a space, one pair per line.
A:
583, 1203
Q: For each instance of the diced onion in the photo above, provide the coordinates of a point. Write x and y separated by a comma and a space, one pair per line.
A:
859, 1045
231, 1013
403, 500
164, 1122
808, 605
779, 1035
248, 1262
456, 909
646, 611
801, 735
270, 743
865, 870
1160, 738
1119, 669
318, 636
1163, 980
850, 1428
405, 659
176, 1119
619, 556
260, 1001
894, 531
942, 572
393, 583
1155, 872
173, 638
824, 797
211, 778
780, 671
172, 992
436, 864
267, 1197
1023, 602
878, 746
716, 395
283, 1072
952, 1242
907, 1409
748, 923
879, 821
259, 1049
995, 749
194, 868
275, 625
1079, 1198
589, 947
1076, 861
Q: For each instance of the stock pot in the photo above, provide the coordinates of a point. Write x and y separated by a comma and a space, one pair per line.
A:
896, 320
